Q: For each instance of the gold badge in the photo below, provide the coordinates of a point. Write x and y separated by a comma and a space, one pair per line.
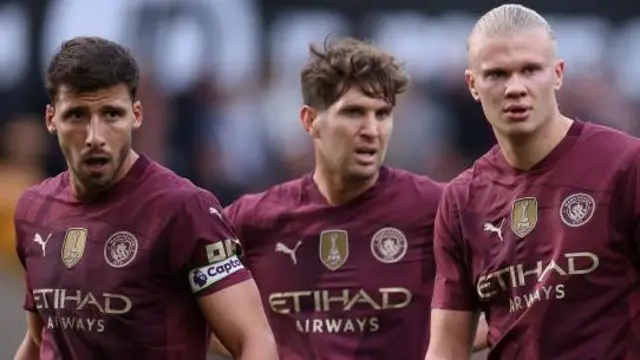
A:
524, 216
75, 241
334, 248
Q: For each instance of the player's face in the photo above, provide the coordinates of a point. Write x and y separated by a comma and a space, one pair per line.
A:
94, 132
351, 136
515, 78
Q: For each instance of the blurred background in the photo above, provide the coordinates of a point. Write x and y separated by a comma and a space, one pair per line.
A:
221, 91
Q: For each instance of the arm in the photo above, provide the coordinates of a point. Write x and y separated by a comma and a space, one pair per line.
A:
29, 349
230, 212
237, 318
454, 313
480, 343
216, 347
451, 334
206, 247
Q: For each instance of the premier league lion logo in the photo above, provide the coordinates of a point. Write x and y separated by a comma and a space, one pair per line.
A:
199, 278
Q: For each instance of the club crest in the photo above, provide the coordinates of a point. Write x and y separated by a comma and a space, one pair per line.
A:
334, 248
120, 249
577, 209
524, 216
388, 245
73, 246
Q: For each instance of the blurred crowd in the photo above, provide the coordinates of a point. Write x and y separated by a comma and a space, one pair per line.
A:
220, 88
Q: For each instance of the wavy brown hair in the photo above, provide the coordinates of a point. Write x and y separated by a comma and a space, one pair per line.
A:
338, 65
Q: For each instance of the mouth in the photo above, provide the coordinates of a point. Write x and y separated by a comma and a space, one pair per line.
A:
96, 163
517, 112
366, 155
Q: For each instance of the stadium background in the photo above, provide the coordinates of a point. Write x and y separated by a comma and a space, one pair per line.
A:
220, 87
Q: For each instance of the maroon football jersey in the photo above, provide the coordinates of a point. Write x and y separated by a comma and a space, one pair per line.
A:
344, 282
551, 254
118, 278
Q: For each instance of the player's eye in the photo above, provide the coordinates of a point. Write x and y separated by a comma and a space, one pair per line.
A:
496, 74
75, 115
112, 114
353, 112
530, 70
383, 114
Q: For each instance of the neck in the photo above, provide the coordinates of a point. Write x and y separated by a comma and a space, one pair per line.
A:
84, 193
524, 153
337, 190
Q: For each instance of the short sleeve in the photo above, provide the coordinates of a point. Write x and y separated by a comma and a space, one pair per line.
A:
29, 302
232, 213
627, 192
453, 288
204, 246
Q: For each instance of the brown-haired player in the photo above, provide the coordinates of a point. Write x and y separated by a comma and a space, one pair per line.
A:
343, 256
124, 259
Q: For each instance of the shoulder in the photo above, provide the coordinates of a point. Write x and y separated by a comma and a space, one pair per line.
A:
458, 191
36, 195
604, 142
420, 188
260, 205
610, 152
177, 194
592, 131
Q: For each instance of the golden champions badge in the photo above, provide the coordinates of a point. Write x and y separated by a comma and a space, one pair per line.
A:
75, 241
334, 248
524, 216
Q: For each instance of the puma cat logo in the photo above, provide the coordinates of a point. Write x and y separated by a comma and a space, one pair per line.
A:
43, 243
282, 248
489, 227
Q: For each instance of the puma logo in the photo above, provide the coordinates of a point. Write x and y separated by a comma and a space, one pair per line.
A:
214, 211
43, 243
282, 248
489, 227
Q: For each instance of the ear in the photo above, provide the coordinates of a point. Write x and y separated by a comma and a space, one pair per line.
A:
470, 79
137, 114
49, 114
308, 118
559, 74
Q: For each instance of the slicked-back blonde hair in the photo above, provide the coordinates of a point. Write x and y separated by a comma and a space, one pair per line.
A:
510, 19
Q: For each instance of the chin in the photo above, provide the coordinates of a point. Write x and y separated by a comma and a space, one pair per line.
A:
363, 173
518, 129
97, 183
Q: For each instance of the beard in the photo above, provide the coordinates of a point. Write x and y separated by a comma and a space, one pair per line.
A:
90, 183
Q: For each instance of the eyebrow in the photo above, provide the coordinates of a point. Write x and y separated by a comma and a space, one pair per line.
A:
387, 107
115, 108
73, 109
518, 66
84, 108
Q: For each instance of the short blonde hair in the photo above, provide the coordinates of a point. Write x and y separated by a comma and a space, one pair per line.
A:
508, 19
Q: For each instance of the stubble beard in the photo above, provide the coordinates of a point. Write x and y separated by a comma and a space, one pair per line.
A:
92, 185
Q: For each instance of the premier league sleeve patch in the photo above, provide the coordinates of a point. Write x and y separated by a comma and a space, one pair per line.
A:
203, 277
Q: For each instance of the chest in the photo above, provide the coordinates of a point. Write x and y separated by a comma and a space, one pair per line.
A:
92, 255
354, 251
524, 238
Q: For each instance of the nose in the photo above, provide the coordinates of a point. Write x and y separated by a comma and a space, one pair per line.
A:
95, 134
515, 87
370, 127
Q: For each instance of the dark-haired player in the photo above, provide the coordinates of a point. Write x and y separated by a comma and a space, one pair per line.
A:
123, 258
543, 232
343, 256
